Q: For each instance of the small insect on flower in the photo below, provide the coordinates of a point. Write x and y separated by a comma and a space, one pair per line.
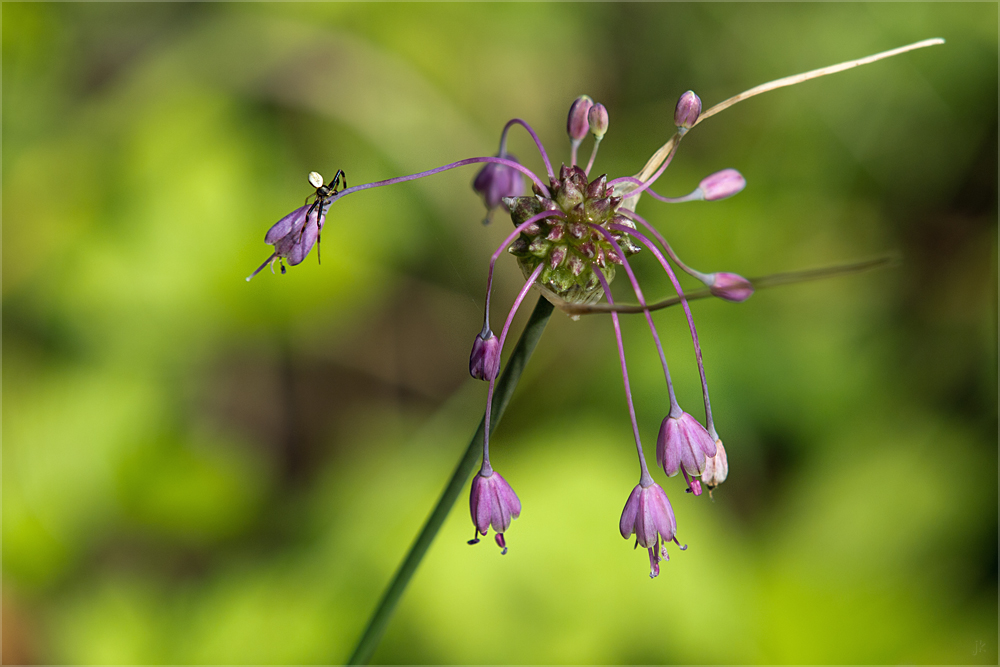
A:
295, 234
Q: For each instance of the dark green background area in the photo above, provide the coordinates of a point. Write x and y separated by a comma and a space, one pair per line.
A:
201, 470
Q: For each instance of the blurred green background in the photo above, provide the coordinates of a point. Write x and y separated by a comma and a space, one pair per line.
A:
201, 470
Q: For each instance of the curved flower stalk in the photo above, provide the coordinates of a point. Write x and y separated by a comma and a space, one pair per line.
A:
571, 234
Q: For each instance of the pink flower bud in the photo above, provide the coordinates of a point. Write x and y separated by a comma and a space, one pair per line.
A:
492, 503
484, 362
730, 286
722, 184
598, 118
496, 181
687, 111
577, 124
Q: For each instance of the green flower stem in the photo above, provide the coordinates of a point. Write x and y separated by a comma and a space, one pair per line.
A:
504, 390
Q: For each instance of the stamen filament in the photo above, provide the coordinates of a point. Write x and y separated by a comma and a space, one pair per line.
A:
486, 468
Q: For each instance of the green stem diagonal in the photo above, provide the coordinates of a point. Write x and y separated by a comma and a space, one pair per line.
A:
504, 390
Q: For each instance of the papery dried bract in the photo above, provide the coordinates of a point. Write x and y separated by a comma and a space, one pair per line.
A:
716, 467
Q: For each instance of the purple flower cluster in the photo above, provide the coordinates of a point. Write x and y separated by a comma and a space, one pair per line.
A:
571, 236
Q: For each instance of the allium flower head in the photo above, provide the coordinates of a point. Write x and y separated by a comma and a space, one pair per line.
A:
492, 503
649, 516
566, 244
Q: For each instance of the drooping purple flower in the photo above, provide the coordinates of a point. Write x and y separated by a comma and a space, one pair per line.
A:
649, 516
496, 181
492, 503
484, 362
294, 236
683, 445
730, 286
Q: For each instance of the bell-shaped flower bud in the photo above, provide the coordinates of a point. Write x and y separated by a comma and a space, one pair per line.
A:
598, 119
716, 468
484, 362
687, 111
683, 444
649, 516
721, 184
496, 181
730, 286
577, 122
295, 234
493, 503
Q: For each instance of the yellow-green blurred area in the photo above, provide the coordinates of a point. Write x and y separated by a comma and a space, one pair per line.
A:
197, 469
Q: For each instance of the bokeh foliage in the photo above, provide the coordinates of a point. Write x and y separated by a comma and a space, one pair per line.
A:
201, 470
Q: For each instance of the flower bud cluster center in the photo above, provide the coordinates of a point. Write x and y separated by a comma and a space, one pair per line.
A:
567, 244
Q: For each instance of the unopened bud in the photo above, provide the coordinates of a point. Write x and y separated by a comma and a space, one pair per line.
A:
731, 287
687, 111
598, 118
716, 468
722, 184
484, 362
577, 124
496, 181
